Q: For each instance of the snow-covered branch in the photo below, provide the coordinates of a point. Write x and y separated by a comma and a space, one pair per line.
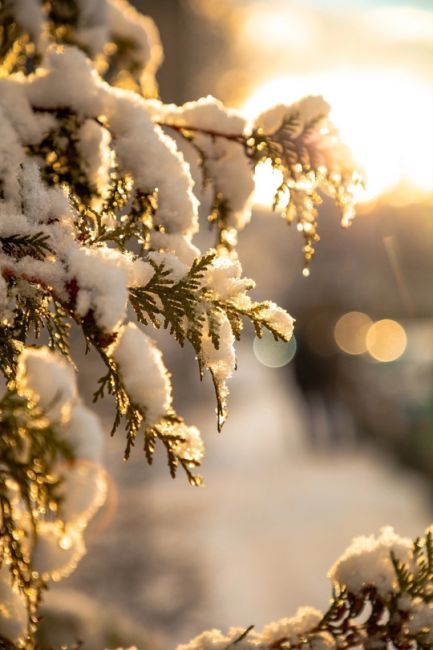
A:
382, 598
98, 212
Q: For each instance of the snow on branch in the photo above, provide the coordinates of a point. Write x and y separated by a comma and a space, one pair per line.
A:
95, 175
382, 597
298, 140
98, 212
51, 484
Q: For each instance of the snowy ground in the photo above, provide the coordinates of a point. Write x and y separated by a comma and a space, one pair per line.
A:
256, 541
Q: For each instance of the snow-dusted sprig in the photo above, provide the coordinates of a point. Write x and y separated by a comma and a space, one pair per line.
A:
51, 484
382, 597
37, 310
29, 450
59, 156
298, 140
192, 310
301, 142
175, 303
416, 578
126, 229
157, 422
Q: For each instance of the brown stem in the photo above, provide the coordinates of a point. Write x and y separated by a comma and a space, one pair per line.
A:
234, 137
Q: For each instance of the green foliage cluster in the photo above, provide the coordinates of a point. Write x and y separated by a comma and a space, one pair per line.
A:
123, 218
188, 308
29, 451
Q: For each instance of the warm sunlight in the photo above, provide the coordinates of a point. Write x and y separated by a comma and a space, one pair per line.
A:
385, 117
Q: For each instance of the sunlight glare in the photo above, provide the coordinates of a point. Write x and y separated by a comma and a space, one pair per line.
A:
385, 117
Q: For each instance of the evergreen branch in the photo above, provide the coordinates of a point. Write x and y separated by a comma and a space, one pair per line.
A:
369, 618
125, 214
176, 304
295, 149
188, 309
167, 430
36, 312
18, 246
29, 449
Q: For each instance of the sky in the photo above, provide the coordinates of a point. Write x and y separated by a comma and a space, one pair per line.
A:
372, 60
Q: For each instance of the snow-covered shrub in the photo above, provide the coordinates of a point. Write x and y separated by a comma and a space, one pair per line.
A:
98, 212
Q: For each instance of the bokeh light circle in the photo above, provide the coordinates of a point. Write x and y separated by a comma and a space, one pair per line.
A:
272, 353
386, 340
350, 332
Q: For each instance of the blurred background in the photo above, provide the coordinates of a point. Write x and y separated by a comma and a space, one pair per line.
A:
329, 436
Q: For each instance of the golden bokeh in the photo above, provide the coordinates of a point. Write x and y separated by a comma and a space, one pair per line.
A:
350, 332
386, 340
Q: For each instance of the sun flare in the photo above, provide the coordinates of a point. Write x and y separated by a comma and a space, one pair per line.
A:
385, 117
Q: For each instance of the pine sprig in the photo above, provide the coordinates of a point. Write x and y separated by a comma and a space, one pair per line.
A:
169, 430
292, 152
111, 384
123, 214
370, 618
257, 313
186, 307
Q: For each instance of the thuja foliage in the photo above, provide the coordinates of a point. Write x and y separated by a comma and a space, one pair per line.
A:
378, 601
98, 210
29, 449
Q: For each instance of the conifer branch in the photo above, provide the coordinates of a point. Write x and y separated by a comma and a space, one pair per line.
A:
29, 449
18, 246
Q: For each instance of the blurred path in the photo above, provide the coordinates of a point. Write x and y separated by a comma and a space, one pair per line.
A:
272, 518
258, 539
